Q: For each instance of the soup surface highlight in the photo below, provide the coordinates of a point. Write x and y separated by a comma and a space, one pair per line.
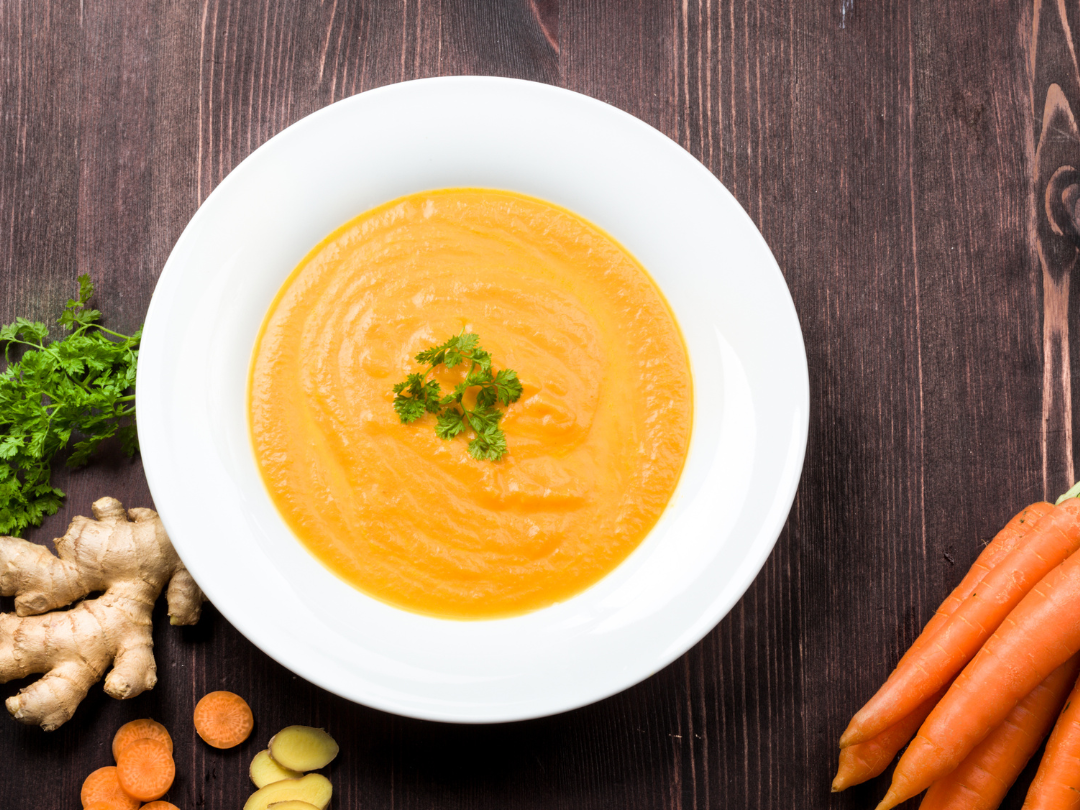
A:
596, 441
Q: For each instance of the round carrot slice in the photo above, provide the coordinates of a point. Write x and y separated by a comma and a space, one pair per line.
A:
223, 719
146, 769
158, 806
144, 729
103, 787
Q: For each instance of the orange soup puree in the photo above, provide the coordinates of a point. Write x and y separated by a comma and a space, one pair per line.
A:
596, 441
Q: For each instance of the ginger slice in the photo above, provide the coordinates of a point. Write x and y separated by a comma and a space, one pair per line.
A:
125, 555
303, 748
315, 789
265, 771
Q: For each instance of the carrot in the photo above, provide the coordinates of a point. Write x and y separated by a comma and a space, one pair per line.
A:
1057, 782
1037, 637
866, 760
981, 781
223, 719
140, 730
996, 550
159, 806
103, 786
146, 769
1047, 544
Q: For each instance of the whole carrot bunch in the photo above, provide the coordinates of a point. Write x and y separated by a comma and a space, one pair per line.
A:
981, 687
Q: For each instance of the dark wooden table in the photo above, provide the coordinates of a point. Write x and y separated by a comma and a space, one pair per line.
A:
903, 160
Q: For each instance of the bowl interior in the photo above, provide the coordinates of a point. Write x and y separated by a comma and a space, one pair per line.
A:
751, 396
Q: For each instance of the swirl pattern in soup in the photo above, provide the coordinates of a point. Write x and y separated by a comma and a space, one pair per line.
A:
596, 442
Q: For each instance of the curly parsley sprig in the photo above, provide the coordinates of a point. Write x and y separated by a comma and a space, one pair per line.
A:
419, 395
51, 392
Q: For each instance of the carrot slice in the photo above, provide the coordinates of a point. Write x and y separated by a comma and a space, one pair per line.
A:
981, 781
146, 769
866, 760
1050, 541
103, 786
1037, 637
144, 729
223, 719
1057, 782
159, 806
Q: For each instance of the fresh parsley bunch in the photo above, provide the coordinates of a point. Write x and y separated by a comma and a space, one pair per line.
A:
53, 392
419, 395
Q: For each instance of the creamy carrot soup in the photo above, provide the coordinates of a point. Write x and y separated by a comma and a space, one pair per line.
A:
596, 442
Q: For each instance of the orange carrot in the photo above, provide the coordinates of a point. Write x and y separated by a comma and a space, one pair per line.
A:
159, 806
103, 786
1049, 542
146, 769
866, 760
140, 730
981, 781
996, 550
1040, 635
1057, 783
223, 719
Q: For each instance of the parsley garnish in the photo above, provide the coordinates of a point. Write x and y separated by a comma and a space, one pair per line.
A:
419, 395
51, 392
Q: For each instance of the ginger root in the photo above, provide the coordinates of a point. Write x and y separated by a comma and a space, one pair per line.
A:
124, 555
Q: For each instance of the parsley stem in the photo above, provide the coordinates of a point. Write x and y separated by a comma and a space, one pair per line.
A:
109, 331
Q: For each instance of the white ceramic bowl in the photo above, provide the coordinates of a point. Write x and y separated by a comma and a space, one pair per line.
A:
751, 396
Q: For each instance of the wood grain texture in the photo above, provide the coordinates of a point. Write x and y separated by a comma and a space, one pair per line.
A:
889, 153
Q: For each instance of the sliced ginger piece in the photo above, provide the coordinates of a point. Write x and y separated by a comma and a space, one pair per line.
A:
315, 789
140, 730
265, 771
303, 748
223, 719
103, 787
292, 804
146, 769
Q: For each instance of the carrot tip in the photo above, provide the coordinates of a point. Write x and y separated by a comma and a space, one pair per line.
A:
850, 737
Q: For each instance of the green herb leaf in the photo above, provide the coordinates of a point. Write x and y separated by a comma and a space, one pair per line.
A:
418, 395
449, 424
52, 392
508, 386
488, 446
